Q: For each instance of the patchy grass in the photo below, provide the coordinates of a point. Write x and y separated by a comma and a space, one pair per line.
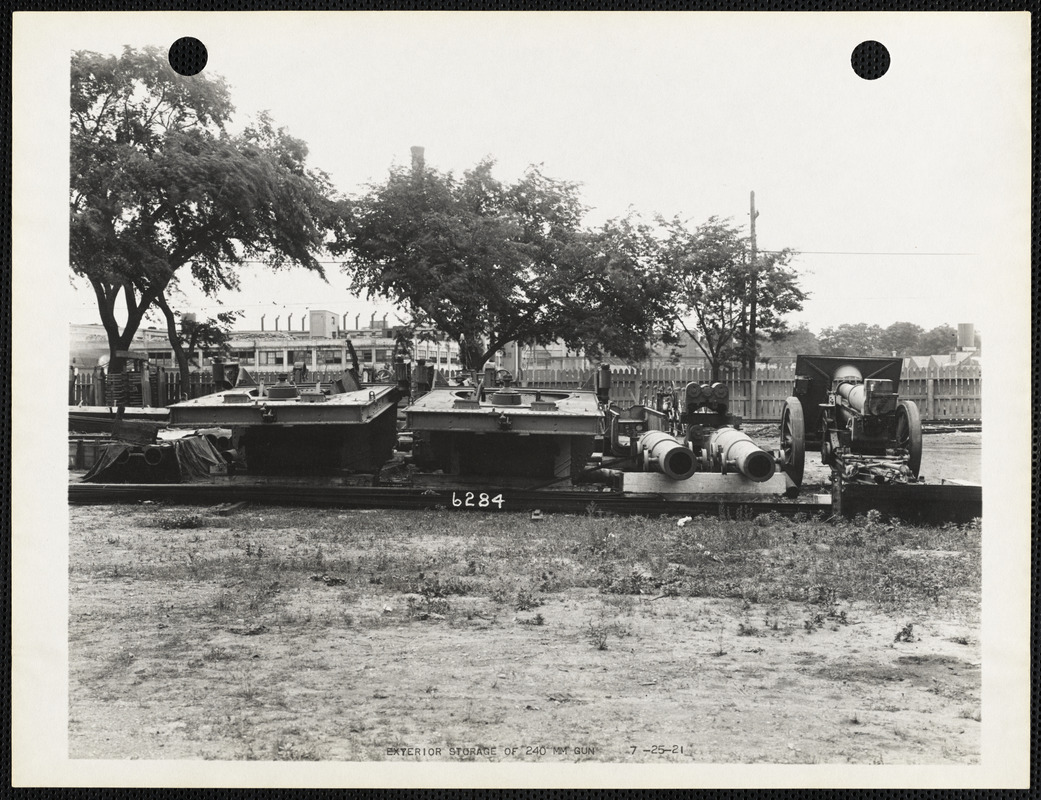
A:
294, 634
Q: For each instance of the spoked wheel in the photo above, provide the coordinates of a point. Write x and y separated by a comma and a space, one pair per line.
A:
383, 376
793, 440
909, 434
503, 376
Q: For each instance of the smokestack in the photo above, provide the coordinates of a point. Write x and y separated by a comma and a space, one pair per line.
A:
372, 321
357, 322
303, 321
276, 322
418, 162
262, 322
289, 323
344, 323
966, 336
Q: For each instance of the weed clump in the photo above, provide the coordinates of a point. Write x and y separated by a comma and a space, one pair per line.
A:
598, 635
291, 751
906, 633
633, 582
426, 607
217, 654
527, 599
184, 521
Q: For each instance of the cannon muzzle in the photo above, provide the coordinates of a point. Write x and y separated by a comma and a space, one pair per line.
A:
667, 454
872, 398
737, 449
704, 394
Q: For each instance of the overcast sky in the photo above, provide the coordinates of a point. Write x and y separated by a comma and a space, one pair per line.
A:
898, 191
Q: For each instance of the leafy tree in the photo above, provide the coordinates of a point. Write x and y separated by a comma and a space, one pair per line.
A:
489, 263
623, 307
402, 336
708, 268
901, 338
941, 339
851, 339
159, 185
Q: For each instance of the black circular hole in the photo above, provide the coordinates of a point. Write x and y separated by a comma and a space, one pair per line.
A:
188, 56
870, 60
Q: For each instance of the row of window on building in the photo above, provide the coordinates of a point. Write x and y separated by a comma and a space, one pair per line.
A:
281, 358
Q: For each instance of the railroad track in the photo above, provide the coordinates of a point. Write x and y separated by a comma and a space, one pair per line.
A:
915, 503
481, 499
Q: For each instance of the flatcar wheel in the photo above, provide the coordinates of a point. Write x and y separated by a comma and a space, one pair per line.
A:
793, 440
909, 434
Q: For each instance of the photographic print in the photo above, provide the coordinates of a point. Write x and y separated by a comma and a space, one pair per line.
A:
465, 399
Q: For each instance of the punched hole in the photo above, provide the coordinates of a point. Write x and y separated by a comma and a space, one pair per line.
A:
870, 60
188, 56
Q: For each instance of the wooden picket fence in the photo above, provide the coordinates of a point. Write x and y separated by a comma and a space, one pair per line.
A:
163, 386
942, 392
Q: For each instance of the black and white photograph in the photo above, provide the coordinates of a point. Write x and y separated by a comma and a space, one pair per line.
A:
521, 399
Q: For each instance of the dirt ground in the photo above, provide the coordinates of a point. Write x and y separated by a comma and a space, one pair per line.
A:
282, 634
945, 456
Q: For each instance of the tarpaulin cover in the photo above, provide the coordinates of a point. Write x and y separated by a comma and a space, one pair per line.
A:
183, 460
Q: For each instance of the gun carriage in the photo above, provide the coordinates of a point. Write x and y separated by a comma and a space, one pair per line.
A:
849, 409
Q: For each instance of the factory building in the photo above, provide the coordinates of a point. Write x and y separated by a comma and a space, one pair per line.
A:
320, 343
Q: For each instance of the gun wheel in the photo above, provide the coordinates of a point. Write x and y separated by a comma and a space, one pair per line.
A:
793, 440
909, 434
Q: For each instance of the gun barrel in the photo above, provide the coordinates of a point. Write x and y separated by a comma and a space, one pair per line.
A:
738, 449
667, 454
853, 393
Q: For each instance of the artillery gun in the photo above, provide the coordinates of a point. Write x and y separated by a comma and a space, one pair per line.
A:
708, 455
849, 409
714, 433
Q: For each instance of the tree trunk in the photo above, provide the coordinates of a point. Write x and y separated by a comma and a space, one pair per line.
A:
175, 344
118, 341
472, 354
117, 364
354, 359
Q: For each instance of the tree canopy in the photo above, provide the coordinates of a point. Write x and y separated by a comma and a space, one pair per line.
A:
902, 338
941, 339
851, 339
796, 341
709, 269
490, 262
159, 184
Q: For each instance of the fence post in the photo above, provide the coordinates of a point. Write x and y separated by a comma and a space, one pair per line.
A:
753, 393
160, 383
930, 397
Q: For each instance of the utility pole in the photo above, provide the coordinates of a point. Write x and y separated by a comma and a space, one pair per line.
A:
751, 345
